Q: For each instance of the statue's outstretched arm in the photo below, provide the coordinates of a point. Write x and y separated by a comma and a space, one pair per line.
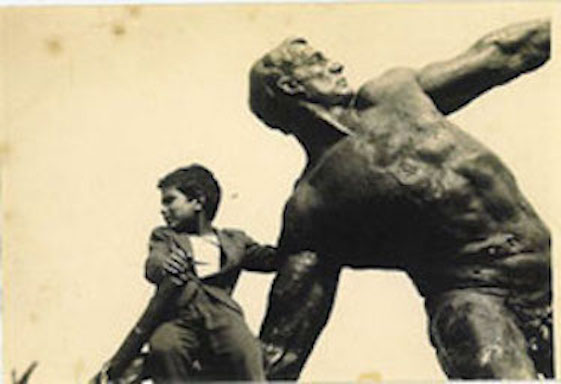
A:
493, 60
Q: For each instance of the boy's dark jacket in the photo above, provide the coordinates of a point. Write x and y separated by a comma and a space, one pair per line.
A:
238, 251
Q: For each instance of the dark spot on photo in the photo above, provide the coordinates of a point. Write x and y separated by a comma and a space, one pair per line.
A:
54, 46
118, 29
134, 10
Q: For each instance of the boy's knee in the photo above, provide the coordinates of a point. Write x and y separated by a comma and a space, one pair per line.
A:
240, 345
247, 361
165, 342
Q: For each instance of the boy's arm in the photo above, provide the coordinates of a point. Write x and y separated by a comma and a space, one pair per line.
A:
257, 257
260, 258
158, 250
166, 258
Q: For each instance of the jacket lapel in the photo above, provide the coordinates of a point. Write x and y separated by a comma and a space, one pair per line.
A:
183, 242
230, 251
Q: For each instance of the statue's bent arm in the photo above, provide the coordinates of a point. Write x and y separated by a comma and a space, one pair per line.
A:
300, 303
495, 59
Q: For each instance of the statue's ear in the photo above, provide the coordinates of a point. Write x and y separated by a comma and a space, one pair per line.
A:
290, 86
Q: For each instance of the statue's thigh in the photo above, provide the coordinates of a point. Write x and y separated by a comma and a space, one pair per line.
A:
476, 337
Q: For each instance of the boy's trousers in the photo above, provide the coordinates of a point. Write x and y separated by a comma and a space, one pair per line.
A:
206, 340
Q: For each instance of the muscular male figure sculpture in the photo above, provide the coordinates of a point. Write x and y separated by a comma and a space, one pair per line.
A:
390, 183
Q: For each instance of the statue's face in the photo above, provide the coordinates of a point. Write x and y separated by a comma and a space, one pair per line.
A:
320, 79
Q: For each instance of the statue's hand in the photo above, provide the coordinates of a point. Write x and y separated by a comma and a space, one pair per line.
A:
271, 355
276, 359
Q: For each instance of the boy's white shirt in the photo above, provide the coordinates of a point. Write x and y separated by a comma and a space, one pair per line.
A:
206, 253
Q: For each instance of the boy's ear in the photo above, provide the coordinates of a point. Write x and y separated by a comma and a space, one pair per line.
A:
200, 202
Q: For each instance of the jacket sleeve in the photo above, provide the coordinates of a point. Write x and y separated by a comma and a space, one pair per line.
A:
158, 249
257, 257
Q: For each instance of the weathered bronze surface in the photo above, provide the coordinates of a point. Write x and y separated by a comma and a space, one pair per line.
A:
391, 183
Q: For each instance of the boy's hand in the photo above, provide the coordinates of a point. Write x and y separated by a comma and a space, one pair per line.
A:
176, 264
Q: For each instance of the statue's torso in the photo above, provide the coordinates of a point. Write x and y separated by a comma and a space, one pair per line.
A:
412, 191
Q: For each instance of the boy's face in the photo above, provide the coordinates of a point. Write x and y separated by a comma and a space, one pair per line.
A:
178, 210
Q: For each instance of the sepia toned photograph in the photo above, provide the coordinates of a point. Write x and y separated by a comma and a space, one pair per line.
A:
360, 192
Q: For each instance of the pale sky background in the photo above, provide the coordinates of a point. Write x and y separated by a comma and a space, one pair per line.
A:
100, 102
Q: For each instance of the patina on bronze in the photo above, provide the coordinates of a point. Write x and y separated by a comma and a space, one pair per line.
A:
391, 183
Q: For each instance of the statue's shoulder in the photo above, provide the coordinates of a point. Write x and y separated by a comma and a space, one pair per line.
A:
390, 84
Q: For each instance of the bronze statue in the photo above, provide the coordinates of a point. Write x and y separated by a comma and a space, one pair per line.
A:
391, 183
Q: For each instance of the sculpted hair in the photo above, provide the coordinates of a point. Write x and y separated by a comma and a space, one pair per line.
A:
265, 101
195, 181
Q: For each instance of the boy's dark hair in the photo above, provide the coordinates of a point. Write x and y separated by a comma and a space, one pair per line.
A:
195, 181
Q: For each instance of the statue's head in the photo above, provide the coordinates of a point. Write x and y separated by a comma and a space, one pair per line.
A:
290, 76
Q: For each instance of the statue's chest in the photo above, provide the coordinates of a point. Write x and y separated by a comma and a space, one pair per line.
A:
349, 181
397, 171
347, 200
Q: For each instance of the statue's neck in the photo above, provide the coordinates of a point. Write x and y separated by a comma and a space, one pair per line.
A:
320, 129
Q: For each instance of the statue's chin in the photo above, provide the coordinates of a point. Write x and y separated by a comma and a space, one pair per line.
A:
330, 114
342, 99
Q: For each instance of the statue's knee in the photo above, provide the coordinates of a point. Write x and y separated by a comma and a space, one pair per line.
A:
476, 337
499, 360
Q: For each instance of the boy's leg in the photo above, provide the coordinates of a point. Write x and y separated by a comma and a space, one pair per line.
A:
236, 352
172, 349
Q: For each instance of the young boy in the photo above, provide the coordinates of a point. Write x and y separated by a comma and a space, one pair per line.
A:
205, 324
